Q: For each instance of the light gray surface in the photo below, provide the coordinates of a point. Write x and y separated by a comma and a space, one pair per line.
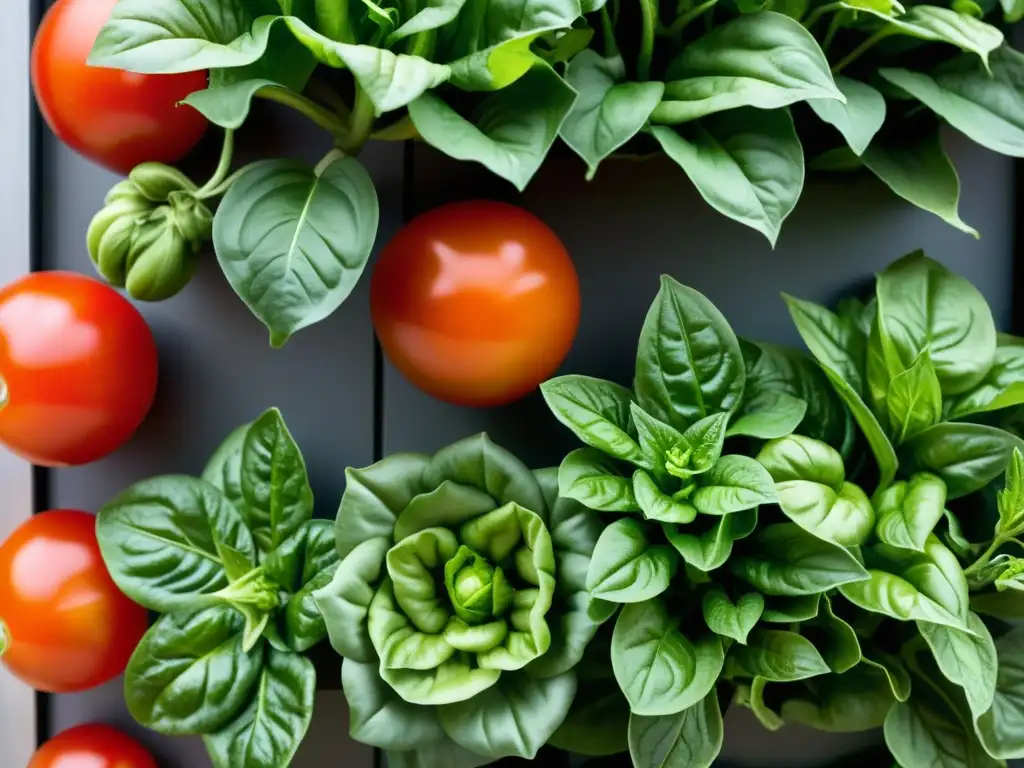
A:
17, 701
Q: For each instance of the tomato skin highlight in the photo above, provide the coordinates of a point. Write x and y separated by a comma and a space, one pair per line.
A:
475, 303
115, 118
79, 364
68, 627
92, 746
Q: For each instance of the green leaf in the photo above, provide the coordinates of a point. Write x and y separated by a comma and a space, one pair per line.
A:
626, 568
710, 549
390, 80
271, 728
834, 638
1008, 606
773, 415
787, 561
775, 655
345, 601
914, 400
659, 669
1002, 387
859, 118
189, 673
1010, 500
445, 752
746, 163
893, 669
449, 505
688, 739
856, 701
925, 308
967, 660
786, 610
597, 412
967, 456
945, 25
278, 499
591, 478
657, 505
511, 719
894, 596
914, 165
1001, 728
688, 363
380, 717
729, 619
909, 511
163, 539
1013, 10
925, 731
224, 469
432, 14
734, 484
657, 439
834, 341
803, 458
511, 130
598, 721
845, 518
293, 241
305, 625
228, 104
707, 438
763, 60
609, 111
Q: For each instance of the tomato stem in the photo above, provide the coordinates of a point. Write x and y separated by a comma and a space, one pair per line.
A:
227, 152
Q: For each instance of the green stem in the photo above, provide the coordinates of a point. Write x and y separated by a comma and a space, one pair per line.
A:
860, 50
333, 20
402, 129
611, 48
833, 30
360, 126
335, 154
982, 561
223, 187
686, 19
423, 44
322, 90
817, 13
227, 151
322, 117
643, 61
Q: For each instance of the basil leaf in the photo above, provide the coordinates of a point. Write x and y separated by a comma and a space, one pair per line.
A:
707, 438
657, 505
189, 673
802, 458
834, 638
914, 165
773, 415
914, 400
775, 655
1001, 728
945, 25
688, 739
293, 241
734, 484
734, 620
656, 439
909, 511
626, 568
925, 731
787, 561
709, 549
836, 343
894, 596
764, 60
966, 456
304, 624
972, 99
746, 163
609, 111
270, 730
224, 469
764, 714
856, 701
786, 610
659, 669
688, 363
163, 542
591, 478
859, 118
845, 518
511, 130
892, 668
597, 412
967, 660
1002, 387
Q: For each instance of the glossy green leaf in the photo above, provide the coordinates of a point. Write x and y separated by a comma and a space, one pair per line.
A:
163, 541
893, 669
894, 596
786, 610
591, 478
925, 731
657, 439
224, 469
709, 549
914, 400
946, 25
597, 412
1002, 387
746, 163
660, 670
787, 561
271, 728
773, 415
859, 118
657, 505
834, 341
967, 660
834, 639
966, 456
1010, 500
775, 655
908, 511
802, 458
729, 619
312, 236
626, 567
845, 518
189, 673
380, 717
345, 601
1001, 728
688, 739
734, 484
689, 363
764, 60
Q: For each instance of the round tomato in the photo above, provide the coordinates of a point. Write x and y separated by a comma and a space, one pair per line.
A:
476, 303
92, 746
115, 118
65, 625
78, 368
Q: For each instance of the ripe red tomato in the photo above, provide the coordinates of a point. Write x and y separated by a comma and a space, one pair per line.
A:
476, 302
92, 746
65, 624
115, 118
78, 368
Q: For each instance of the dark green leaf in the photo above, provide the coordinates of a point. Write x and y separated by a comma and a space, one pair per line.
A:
626, 568
710, 549
967, 660
966, 456
859, 118
775, 655
1001, 729
734, 620
597, 412
592, 478
688, 739
773, 415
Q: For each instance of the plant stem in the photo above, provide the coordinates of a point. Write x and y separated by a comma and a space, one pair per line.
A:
360, 125
611, 48
648, 9
684, 21
325, 162
860, 50
223, 187
982, 561
227, 151
402, 129
830, 35
322, 117
323, 91
817, 13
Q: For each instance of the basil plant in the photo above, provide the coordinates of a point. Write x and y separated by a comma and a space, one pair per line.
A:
460, 605
231, 561
928, 379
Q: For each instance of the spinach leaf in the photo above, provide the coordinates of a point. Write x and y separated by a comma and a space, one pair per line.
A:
834, 638
660, 670
597, 412
734, 484
304, 624
859, 118
626, 568
689, 739
224, 469
894, 596
908, 511
1001, 728
858, 700
710, 549
966, 659
786, 610
657, 505
966, 456
729, 619
925, 731
592, 478
775, 655
773, 415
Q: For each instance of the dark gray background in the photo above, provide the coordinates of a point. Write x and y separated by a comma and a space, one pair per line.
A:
634, 222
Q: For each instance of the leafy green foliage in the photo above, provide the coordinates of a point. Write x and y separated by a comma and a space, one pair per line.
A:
231, 560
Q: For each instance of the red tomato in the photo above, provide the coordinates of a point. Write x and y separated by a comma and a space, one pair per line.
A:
115, 118
65, 624
92, 746
78, 368
475, 303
